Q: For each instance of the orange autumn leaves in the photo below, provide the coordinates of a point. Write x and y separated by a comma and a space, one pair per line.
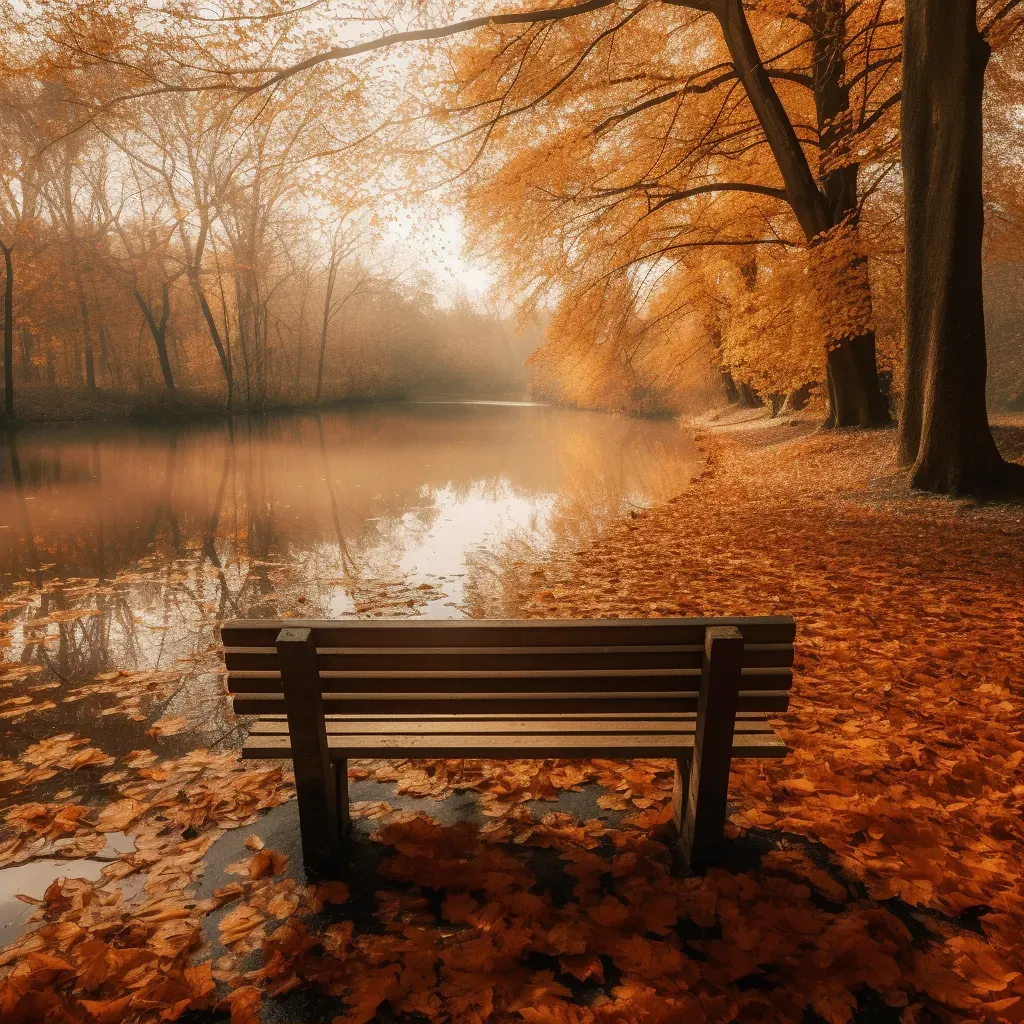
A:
93, 954
907, 725
896, 886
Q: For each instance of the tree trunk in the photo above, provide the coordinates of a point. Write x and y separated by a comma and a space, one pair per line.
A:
83, 312
110, 356
944, 430
332, 274
802, 190
8, 331
159, 332
854, 393
797, 400
749, 398
817, 209
28, 367
105, 355
211, 325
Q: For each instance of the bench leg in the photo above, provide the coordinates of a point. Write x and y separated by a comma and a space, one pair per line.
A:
702, 824
680, 791
341, 796
314, 778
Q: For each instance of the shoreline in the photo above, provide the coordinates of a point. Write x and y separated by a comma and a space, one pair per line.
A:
120, 408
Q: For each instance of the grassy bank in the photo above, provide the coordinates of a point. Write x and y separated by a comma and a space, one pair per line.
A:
38, 404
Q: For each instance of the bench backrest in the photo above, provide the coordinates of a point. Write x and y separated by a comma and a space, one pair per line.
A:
533, 666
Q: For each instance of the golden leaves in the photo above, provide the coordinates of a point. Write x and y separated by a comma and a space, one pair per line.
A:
244, 1004
237, 924
118, 816
167, 726
267, 862
42, 760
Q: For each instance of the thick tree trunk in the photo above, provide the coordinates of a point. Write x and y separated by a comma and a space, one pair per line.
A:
8, 331
732, 393
855, 395
749, 398
944, 429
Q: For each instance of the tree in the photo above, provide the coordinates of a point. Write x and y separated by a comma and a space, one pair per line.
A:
944, 430
21, 139
641, 138
344, 240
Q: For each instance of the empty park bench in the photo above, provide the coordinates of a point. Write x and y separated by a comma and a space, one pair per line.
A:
694, 690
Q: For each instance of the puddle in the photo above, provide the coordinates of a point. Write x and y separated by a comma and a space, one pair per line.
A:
34, 877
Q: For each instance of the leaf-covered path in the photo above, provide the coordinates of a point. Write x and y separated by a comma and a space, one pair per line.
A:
875, 873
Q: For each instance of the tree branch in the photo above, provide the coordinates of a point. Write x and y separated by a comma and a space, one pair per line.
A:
726, 186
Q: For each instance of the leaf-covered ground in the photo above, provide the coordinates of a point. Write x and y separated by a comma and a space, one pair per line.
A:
875, 874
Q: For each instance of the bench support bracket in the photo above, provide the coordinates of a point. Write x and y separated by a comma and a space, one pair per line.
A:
319, 823
702, 816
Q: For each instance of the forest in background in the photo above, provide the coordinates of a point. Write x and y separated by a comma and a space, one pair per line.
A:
687, 194
193, 255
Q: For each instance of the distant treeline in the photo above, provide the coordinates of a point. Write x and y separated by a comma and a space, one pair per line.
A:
187, 258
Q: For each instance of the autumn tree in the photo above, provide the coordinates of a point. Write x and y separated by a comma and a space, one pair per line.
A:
584, 72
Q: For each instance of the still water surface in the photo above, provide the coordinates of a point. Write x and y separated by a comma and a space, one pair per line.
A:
121, 549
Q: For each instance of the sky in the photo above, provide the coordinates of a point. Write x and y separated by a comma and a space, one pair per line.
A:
435, 241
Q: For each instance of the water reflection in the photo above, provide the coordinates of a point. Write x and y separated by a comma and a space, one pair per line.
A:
121, 549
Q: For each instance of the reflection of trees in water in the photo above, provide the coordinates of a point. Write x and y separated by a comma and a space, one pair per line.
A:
200, 525
603, 476
164, 509
349, 569
226, 600
19, 496
376, 464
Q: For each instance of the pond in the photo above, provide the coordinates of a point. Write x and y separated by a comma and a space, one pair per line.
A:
122, 548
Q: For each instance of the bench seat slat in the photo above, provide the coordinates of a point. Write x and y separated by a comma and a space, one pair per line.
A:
583, 745
584, 681
498, 725
625, 702
502, 633
664, 656
589, 717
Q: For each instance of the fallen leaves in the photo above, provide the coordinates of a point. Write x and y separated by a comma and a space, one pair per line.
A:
896, 891
239, 923
43, 760
167, 726
118, 816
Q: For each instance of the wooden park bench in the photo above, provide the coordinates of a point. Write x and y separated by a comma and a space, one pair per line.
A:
695, 690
